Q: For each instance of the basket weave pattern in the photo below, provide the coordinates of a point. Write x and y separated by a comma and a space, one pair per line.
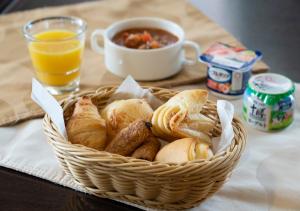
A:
150, 184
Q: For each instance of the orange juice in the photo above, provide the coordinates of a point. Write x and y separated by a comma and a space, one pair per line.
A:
56, 57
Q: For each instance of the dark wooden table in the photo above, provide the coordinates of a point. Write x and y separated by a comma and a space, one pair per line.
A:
272, 26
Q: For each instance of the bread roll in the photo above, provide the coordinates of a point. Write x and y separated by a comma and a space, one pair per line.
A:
86, 126
180, 117
183, 150
193, 100
119, 114
130, 138
148, 150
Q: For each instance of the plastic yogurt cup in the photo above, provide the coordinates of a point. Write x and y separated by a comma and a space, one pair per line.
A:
268, 102
228, 69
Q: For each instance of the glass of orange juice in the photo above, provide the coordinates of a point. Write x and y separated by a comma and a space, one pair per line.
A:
56, 47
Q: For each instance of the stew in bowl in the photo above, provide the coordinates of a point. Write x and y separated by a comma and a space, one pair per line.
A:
144, 38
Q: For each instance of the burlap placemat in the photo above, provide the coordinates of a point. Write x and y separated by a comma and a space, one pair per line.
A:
16, 69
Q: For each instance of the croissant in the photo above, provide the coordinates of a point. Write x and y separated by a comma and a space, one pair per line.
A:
183, 150
86, 126
119, 114
180, 117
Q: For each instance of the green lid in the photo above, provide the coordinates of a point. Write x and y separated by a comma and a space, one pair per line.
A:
270, 88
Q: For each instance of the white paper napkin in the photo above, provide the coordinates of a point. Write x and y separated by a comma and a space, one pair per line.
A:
49, 104
225, 111
129, 89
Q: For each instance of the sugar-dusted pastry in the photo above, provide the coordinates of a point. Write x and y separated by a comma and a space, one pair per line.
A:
119, 114
130, 138
180, 117
86, 126
148, 150
183, 150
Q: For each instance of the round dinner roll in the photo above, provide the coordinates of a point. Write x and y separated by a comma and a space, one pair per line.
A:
119, 114
183, 150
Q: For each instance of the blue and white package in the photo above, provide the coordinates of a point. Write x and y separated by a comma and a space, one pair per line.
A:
229, 69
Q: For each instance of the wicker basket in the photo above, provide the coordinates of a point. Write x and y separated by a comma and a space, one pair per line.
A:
150, 184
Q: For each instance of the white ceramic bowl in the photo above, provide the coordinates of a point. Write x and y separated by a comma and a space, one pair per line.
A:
144, 64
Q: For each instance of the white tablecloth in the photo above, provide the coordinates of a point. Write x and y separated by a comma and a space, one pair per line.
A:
267, 177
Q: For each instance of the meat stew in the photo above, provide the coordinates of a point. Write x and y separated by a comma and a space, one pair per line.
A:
144, 38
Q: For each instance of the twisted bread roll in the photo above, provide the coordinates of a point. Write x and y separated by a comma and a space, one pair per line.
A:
180, 117
86, 126
119, 114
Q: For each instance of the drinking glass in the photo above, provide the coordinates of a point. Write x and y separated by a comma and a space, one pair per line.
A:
56, 47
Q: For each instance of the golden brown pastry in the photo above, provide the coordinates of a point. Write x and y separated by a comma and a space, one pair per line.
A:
119, 114
130, 138
86, 126
183, 150
148, 150
180, 117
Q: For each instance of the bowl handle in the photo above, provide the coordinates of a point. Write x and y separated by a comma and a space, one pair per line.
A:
196, 48
94, 42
